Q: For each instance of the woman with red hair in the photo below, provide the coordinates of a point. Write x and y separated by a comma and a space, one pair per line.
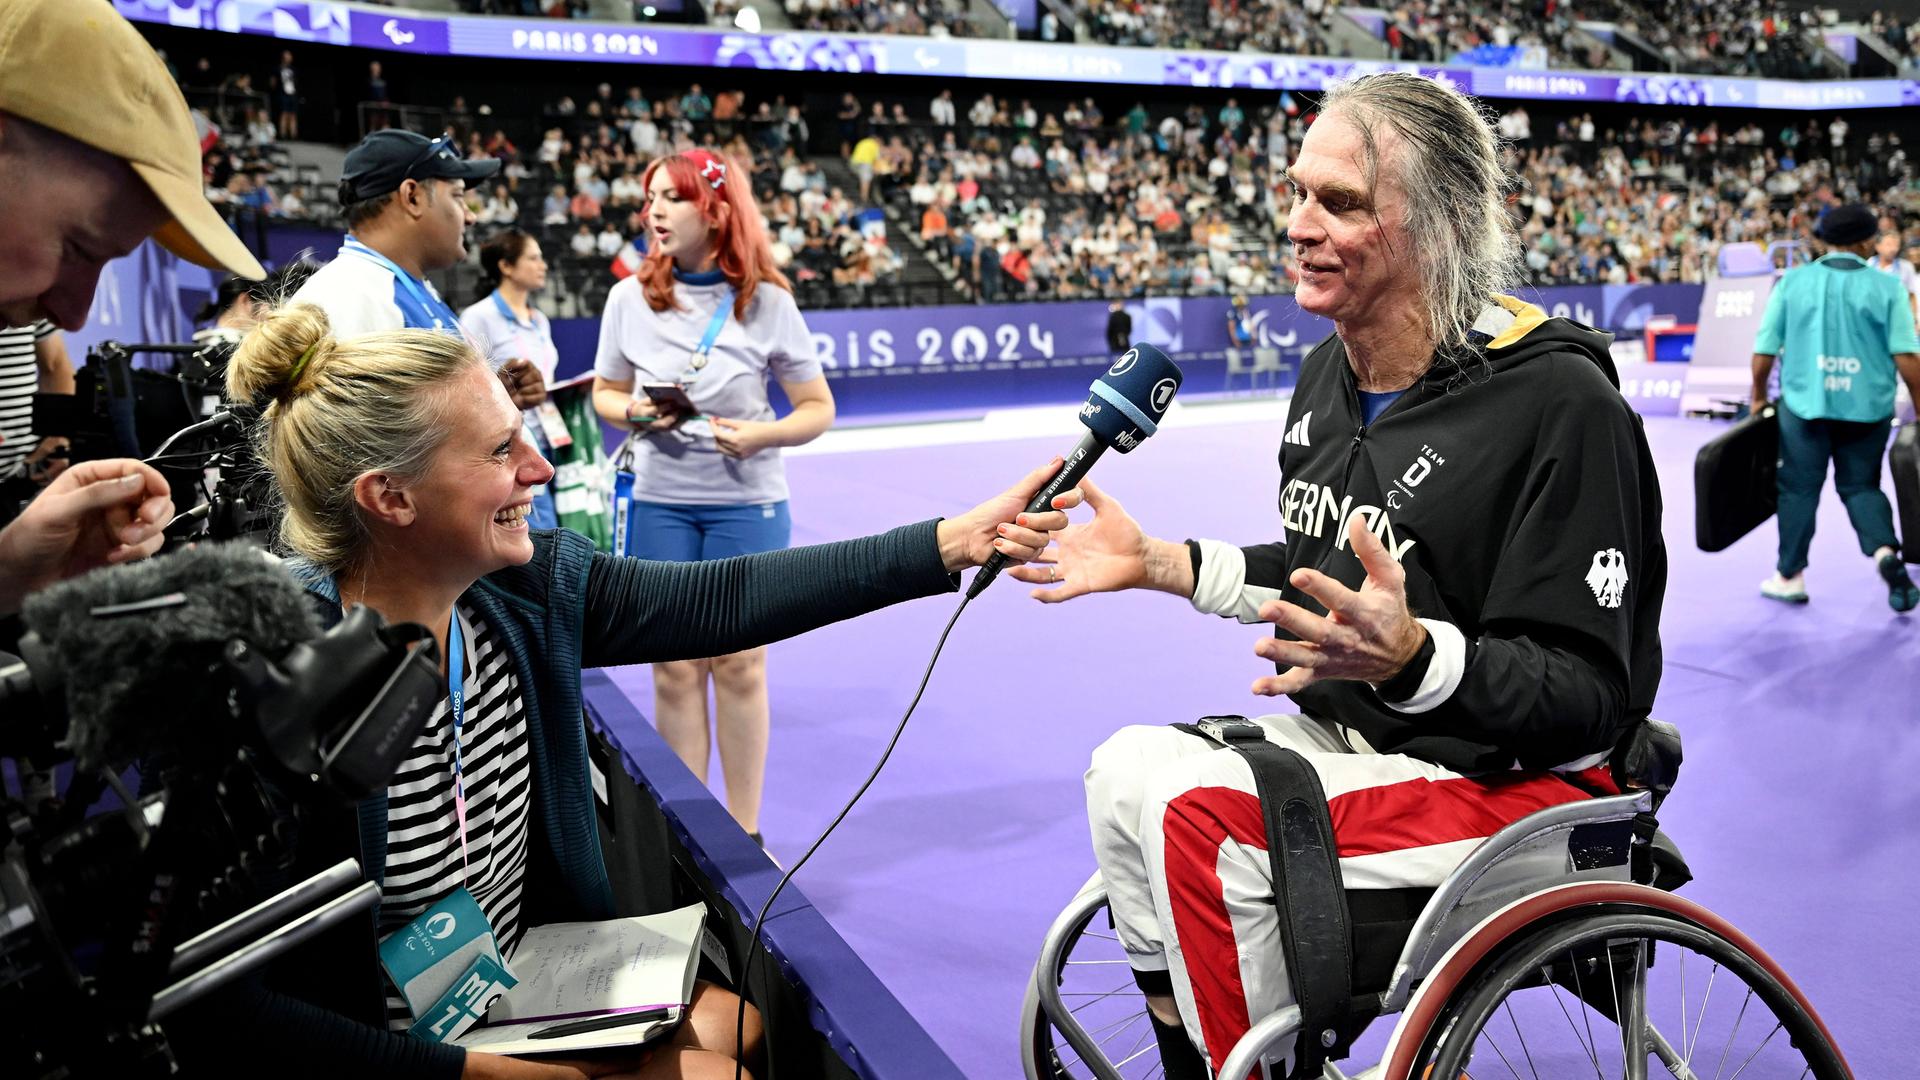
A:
709, 312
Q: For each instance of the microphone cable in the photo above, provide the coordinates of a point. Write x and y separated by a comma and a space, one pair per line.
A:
759, 921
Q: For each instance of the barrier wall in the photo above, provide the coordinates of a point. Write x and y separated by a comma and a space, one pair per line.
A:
669, 842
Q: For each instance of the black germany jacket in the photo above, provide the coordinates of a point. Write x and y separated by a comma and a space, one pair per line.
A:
1515, 487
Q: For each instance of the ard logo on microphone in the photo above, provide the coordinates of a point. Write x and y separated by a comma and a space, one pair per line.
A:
1124, 364
1163, 394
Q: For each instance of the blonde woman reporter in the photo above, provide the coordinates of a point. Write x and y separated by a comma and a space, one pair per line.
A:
406, 473
708, 311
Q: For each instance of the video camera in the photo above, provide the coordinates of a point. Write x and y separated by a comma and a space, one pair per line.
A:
179, 422
207, 670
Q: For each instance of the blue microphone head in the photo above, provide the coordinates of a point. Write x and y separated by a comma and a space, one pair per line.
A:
1129, 401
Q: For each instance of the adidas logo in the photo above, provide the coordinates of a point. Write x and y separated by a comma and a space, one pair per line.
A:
1297, 434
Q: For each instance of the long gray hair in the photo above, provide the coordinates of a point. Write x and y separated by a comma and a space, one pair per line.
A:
1456, 189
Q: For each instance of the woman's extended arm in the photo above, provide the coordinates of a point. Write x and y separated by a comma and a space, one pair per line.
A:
642, 612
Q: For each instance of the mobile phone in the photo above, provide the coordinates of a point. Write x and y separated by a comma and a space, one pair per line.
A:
672, 395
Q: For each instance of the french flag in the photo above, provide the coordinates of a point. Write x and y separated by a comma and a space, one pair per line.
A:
627, 263
209, 133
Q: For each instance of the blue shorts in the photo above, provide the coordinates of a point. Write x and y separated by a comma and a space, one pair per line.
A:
677, 533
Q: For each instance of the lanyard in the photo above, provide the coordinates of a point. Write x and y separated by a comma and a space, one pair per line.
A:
506, 312
406, 280
457, 706
714, 326
542, 353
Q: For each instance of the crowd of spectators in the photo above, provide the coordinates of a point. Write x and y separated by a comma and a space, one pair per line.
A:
1653, 200
1705, 37
1275, 26
1023, 203
1903, 37
1436, 32
932, 18
579, 186
1055, 199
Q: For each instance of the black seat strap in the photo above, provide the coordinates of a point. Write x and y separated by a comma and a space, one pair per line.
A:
1308, 893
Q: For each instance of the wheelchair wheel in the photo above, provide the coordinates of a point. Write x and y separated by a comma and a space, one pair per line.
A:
1099, 998
1630, 993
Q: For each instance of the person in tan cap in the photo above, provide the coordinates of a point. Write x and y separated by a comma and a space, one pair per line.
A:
89, 172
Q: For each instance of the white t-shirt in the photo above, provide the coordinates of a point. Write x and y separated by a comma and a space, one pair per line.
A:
641, 345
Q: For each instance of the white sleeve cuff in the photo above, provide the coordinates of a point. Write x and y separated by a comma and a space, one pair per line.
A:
1221, 586
1223, 570
1443, 673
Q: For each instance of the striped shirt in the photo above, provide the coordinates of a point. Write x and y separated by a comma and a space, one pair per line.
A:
423, 848
19, 380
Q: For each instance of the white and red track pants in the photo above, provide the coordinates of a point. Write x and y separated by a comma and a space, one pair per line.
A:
1182, 845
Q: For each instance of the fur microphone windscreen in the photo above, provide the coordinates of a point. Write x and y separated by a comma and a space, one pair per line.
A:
149, 679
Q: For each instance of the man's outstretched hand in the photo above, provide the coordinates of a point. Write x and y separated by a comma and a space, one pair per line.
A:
1365, 636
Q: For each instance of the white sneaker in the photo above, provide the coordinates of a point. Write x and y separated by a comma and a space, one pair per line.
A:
1791, 590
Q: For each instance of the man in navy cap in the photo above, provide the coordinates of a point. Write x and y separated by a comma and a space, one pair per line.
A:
1846, 332
403, 195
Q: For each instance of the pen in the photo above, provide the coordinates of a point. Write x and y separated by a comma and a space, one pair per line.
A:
598, 1023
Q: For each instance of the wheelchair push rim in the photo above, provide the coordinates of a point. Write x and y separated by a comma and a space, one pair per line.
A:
1631, 993
1094, 994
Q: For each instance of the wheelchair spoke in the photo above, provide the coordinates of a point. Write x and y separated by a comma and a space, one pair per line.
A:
1586, 1014
1700, 1020
1531, 1067
1137, 1051
1115, 1026
1756, 1052
1097, 998
1503, 1058
1571, 1026
1731, 1035
1084, 963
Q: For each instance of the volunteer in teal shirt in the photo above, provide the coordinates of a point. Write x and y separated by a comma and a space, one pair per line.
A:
1844, 332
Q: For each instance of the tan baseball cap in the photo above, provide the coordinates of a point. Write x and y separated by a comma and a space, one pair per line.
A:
79, 68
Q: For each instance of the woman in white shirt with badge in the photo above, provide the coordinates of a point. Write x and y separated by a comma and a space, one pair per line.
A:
686, 348
513, 334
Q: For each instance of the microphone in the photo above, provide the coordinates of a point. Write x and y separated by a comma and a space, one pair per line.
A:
1124, 407
129, 652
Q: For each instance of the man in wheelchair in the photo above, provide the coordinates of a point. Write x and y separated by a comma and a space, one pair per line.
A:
1466, 596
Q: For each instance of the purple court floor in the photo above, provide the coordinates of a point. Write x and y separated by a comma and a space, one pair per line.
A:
1798, 808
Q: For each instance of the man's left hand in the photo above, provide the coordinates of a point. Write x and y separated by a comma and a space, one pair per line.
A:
524, 383
1365, 636
743, 438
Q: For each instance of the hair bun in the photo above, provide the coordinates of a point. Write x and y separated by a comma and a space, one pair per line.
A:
280, 358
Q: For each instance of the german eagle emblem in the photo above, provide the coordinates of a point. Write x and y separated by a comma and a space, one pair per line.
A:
1607, 577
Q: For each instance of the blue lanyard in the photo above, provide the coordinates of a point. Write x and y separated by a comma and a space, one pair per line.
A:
714, 326
507, 313
457, 706
406, 280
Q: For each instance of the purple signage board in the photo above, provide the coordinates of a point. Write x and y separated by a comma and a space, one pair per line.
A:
338, 23
970, 359
1653, 389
